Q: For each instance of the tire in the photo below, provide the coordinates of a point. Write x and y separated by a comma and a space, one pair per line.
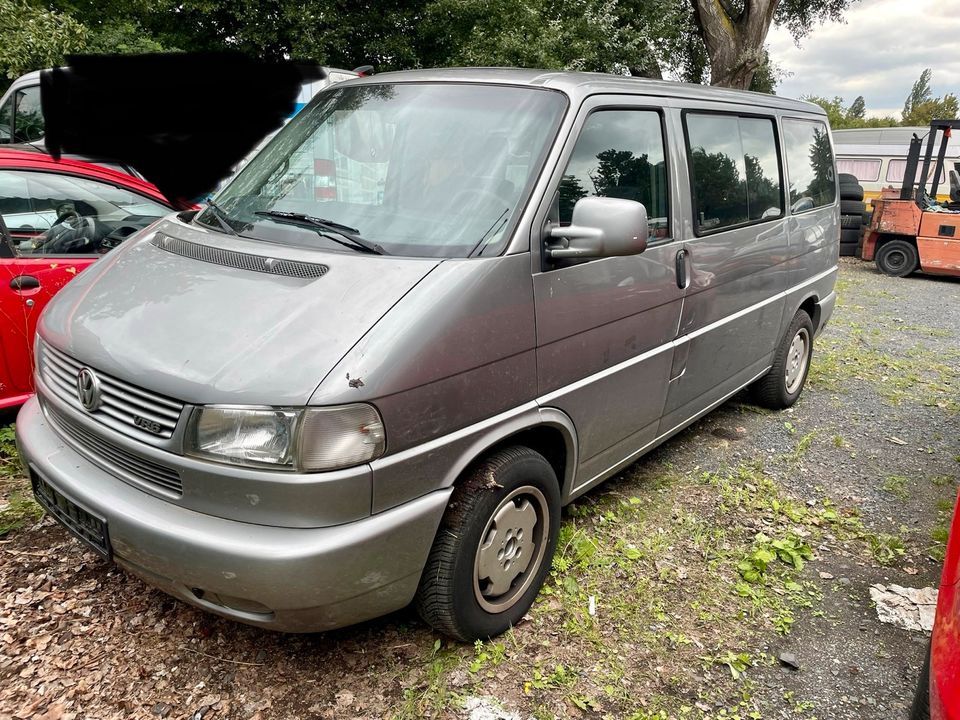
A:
492, 506
897, 258
851, 192
780, 388
921, 698
847, 179
850, 235
852, 207
851, 221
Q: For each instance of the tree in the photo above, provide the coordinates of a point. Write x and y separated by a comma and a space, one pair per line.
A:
841, 117
32, 37
857, 109
921, 106
733, 31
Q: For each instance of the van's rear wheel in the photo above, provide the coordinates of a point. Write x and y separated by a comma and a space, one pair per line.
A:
781, 387
897, 258
494, 546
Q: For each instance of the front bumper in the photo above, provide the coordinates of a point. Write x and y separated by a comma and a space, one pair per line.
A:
289, 579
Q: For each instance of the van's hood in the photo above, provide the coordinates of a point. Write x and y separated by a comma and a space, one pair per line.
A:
203, 332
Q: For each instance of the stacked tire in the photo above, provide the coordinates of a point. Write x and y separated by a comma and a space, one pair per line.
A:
852, 213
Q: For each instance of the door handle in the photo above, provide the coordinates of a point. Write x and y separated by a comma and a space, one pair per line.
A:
24, 282
681, 269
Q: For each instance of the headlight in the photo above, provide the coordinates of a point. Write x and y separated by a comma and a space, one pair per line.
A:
307, 440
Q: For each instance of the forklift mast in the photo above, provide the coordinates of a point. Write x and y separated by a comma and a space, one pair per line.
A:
911, 189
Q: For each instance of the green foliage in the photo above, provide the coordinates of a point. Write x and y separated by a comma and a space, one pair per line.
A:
921, 106
33, 37
737, 663
885, 548
125, 37
790, 550
854, 116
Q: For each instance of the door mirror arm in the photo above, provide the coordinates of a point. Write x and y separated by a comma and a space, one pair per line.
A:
600, 227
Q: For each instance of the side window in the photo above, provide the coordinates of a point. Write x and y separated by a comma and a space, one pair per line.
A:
29, 121
735, 170
896, 169
809, 164
6, 120
61, 214
863, 169
15, 206
619, 153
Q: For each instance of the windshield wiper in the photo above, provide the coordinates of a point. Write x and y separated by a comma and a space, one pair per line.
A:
352, 235
221, 217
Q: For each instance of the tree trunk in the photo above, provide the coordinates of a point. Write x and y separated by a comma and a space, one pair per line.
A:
734, 40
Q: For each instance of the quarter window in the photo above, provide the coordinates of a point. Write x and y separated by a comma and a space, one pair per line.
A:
809, 164
735, 170
29, 121
619, 154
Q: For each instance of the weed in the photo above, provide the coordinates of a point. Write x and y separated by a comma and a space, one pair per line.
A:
897, 485
736, 662
885, 548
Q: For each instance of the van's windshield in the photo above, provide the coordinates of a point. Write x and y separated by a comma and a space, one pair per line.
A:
432, 169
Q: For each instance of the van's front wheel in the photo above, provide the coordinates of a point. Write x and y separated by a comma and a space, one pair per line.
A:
494, 546
781, 387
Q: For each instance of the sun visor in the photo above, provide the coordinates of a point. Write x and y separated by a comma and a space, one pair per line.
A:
183, 120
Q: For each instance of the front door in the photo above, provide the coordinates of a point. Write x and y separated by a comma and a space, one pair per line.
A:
605, 327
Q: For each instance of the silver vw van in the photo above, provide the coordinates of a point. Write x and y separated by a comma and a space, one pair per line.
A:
437, 307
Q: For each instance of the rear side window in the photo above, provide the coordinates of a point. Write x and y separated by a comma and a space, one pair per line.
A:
735, 170
863, 169
809, 164
619, 154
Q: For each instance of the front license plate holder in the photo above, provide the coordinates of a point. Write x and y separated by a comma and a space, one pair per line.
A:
88, 527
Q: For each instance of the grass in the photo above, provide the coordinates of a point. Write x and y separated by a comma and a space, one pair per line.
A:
17, 507
918, 374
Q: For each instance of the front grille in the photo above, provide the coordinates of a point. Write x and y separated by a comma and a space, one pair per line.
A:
124, 407
113, 459
239, 260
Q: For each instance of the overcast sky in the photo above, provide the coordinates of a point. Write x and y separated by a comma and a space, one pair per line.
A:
878, 52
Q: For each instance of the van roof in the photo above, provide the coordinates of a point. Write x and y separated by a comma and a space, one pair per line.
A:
581, 84
878, 136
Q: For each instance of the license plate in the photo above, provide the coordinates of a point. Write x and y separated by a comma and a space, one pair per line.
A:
86, 526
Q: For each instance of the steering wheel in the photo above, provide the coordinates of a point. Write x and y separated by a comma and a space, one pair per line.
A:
72, 233
66, 213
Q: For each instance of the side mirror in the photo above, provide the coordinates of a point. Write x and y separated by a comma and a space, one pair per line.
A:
602, 227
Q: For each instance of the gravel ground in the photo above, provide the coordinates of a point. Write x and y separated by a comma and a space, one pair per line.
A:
854, 484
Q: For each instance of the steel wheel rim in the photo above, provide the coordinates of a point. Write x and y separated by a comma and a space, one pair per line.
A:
511, 549
896, 259
797, 358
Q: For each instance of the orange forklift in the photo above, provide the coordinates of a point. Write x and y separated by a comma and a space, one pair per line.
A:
909, 230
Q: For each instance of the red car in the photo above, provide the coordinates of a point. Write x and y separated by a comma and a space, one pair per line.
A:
60, 216
938, 693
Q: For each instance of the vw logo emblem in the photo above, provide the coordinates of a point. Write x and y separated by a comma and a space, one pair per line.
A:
88, 389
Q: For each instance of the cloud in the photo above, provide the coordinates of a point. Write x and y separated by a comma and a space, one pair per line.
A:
878, 52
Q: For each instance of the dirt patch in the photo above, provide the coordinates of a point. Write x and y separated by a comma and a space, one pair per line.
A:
725, 575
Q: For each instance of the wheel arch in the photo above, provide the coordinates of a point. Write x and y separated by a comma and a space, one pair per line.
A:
548, 431
884, 238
